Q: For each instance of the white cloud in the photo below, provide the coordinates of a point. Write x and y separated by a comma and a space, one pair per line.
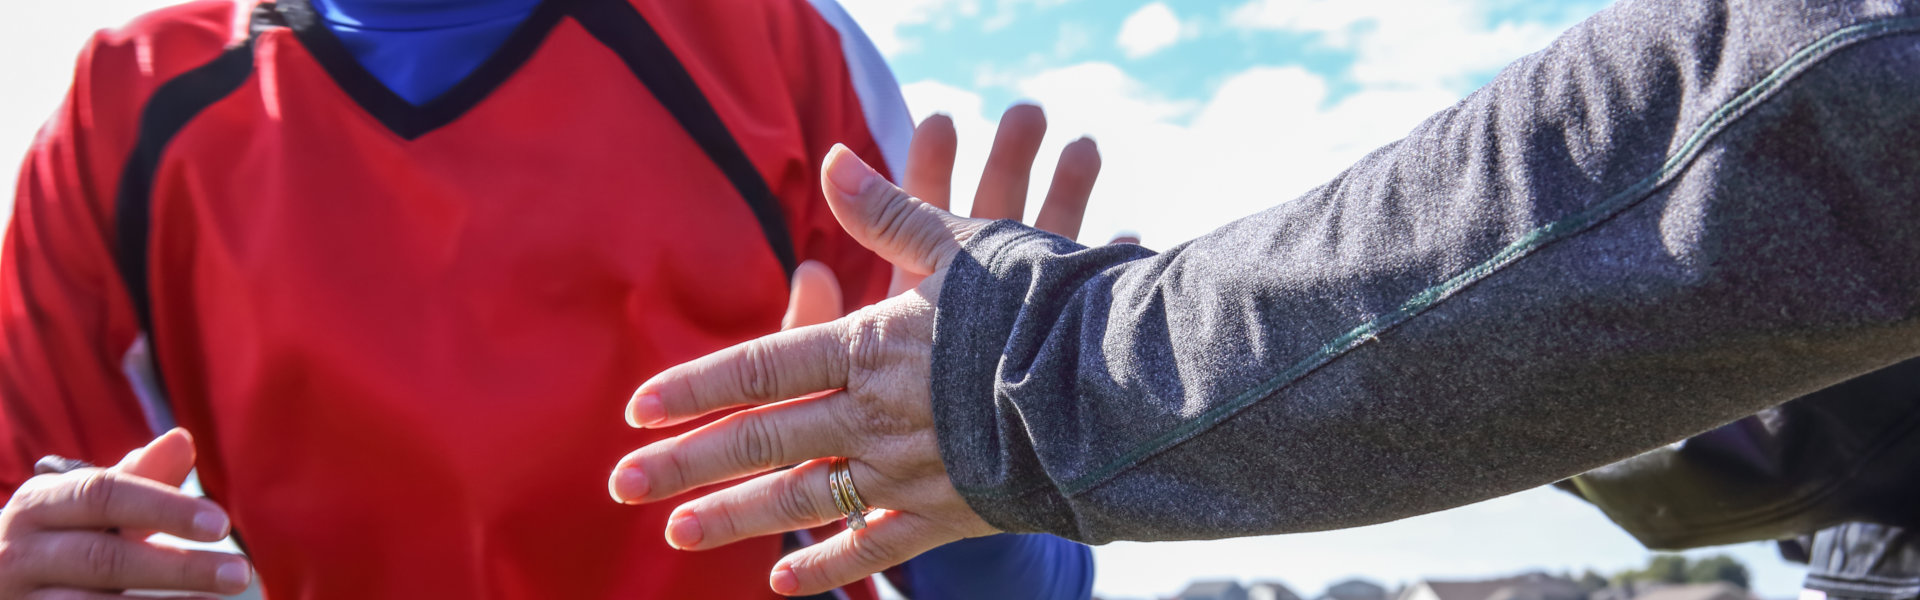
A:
1073, 38
883, 19
1404, 42
1176, 169
1148, 30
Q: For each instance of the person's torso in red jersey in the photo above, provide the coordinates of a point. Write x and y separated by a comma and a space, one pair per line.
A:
404, 336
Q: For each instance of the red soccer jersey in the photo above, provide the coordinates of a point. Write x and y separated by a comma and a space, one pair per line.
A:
403, 336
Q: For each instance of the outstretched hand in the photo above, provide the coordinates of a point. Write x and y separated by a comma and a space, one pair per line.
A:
854, 387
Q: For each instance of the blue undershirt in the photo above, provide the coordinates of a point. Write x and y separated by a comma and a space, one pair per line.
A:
422, 48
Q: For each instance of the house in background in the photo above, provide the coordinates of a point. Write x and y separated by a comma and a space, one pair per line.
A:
1270, 590
1719, 590
1355, 589
1213, 590
1531, 586
1232, 590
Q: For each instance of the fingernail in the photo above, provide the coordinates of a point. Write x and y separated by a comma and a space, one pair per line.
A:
647, 411
234, 575
629, 485
783, 581
210, 523
683, 531
848, 173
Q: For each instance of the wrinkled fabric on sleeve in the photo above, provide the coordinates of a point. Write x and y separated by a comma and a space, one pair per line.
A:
1680, 213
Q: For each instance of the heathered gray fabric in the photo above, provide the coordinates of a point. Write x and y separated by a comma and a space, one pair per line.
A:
1681, 212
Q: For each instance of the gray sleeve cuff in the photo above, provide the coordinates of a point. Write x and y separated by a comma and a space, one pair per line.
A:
994, 283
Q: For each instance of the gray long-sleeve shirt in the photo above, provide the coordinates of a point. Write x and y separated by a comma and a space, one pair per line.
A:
1681, 212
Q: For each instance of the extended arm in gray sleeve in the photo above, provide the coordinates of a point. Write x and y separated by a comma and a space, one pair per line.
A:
1680, 213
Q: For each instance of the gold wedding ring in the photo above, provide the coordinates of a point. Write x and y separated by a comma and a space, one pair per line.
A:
845, 498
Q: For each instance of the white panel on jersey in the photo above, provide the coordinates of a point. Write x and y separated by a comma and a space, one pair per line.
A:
880, 99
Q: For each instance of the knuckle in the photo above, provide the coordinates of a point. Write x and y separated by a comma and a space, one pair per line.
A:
866, 346
757, 374
94, 491
718, 521
677, 465
756, 444
870, 550
794, 504
104, 557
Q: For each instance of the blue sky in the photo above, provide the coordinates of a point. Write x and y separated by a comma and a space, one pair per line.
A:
1206, 110
1259, 99
1011, 37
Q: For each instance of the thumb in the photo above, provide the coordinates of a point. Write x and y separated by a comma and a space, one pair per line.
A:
166, 459
815, 299
911, 234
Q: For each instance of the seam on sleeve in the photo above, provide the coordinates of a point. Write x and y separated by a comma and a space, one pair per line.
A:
1567, 227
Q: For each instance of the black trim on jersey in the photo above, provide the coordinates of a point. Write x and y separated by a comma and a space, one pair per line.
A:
172, 105
402, 117
622, 29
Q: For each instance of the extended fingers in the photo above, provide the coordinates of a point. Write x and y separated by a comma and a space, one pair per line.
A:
1073, 179
784, 365
929, 178
104, 499
92, 560
930, 162
743, 443
890, 538
1003, 183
